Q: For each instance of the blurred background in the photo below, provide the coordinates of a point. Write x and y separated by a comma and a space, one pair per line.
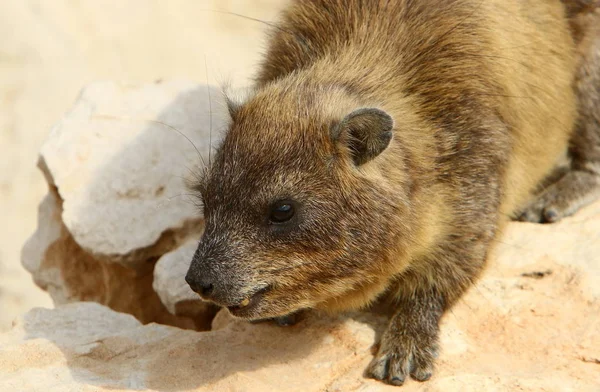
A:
50, 49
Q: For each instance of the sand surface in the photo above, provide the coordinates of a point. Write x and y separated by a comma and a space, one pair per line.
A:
51, 49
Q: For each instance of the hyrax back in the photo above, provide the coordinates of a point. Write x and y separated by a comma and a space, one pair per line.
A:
382, 149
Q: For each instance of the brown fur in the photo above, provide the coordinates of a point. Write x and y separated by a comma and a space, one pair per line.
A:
479, 95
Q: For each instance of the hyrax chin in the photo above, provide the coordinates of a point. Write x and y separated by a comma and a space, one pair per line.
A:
383, 147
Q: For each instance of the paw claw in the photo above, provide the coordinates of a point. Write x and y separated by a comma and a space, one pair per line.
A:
529, 216
421, 375
378, 369
399, 366
397, 381
550, 215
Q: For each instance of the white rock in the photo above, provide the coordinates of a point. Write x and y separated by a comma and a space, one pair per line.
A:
117, 167
120, 159
174, 292
169, 277
33, 254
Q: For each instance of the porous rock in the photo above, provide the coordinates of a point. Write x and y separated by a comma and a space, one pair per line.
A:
85, 347
119, 161
170, 285
118, 166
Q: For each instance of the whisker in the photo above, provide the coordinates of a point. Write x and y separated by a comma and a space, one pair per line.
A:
209, 113
111, 117
272, 25
171, 198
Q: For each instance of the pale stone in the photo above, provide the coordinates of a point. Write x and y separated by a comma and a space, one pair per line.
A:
84, 346
120, 159
117, 167
69, 273
174, 292
169, 276
49, 231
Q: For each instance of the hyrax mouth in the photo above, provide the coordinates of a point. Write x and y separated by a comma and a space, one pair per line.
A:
248, 305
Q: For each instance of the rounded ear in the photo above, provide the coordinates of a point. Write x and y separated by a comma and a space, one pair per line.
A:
367, 133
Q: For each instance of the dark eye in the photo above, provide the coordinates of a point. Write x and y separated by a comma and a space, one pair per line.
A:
281, 211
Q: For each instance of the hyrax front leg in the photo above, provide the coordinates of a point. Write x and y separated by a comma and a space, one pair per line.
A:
409, 346
581, 184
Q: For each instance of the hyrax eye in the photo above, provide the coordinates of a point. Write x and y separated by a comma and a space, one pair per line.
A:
282, 211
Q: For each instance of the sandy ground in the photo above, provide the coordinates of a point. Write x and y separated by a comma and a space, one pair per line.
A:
50, 49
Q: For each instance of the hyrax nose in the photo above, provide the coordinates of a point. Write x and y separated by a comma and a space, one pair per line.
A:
200, 284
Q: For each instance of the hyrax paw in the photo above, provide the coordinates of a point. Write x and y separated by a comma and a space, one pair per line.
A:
398, 358
542, 210
563, 198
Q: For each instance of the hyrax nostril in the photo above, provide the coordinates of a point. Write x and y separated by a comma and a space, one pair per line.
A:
206, 288
199, 285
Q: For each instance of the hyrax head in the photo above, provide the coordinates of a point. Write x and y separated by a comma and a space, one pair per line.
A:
297, 211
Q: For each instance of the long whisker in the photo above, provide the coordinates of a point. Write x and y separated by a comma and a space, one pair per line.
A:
272, 25
111, 117
209, 113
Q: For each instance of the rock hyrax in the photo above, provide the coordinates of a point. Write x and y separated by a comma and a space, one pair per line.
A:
381, 151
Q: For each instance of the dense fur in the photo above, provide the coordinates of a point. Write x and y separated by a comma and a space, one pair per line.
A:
478, 98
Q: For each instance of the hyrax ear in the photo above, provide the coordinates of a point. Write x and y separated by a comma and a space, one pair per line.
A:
367, 132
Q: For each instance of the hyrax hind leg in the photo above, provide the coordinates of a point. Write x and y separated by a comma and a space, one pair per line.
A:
580, 185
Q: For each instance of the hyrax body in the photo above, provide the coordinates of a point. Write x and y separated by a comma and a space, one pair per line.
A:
383, 148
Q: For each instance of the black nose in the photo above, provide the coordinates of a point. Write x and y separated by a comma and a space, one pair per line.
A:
199, 284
